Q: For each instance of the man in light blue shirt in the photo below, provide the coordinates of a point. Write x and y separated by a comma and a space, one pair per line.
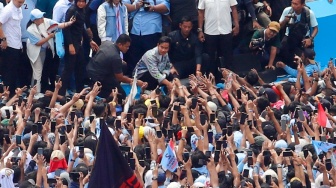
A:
60, 9
147, 27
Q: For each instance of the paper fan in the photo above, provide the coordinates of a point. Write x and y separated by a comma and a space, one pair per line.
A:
52, 28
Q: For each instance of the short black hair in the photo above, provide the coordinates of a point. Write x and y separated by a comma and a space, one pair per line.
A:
185, 19
164, 39
123, 39
251, 78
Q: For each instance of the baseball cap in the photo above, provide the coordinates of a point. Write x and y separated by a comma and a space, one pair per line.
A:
274, 26
36, 14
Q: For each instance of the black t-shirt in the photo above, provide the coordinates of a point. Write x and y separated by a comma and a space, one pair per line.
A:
277, 8
179, 8
106, 62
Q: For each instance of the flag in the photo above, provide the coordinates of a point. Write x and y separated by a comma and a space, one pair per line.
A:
169, 160
132, 93
322, 118
320, 146
111, 169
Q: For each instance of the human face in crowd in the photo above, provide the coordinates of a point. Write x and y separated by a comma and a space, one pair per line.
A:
115, 2
124, 47
297, 6
270, 33
186, 28
18, 3
60, 119
81, 3
163, 48
39, 21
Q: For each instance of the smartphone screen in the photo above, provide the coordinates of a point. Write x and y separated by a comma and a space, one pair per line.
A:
207, 154
159, 134
91, 118
129, 117
43, 119
148, 152
132, 163
81, 152
7, 113
224, 132
47, 110
165, 122
80, 131
40, 151
243, 118
193, 103
170, 133
72, 115
118, 123
229, 130
305, 153
250, 161
186, 156
224, 144
210, 136
283, 124
328, 164
219, 144
68, 128
53, 126
246, 173
39, 127
35, 82
154, 111
176, 108
287, 153
216, 158
238, 94
301, 116
269, 179
202, 118
18, 139
299, 125
212, 117
62, 139
14, 107
249, 123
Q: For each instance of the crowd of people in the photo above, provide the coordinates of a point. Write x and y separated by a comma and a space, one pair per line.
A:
188, 120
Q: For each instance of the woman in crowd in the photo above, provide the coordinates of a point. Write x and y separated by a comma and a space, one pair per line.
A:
40, 41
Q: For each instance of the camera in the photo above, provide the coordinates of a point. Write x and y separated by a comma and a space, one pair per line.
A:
146, 6
257, 42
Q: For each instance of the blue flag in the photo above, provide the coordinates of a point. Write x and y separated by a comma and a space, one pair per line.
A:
322, 146
169, 161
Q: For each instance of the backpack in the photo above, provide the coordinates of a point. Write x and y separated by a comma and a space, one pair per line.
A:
299, 29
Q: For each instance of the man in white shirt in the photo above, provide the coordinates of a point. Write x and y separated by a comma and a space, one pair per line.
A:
10, 37
218, 32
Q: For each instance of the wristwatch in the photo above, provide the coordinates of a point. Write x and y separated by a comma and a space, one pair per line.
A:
315, 80
199, 30
154, 178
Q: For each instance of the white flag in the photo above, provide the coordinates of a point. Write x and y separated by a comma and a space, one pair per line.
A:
133, 92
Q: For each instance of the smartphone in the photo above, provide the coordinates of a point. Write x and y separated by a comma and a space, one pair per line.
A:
250, 161
170, 134
212, 117
74, 176
224, 131
219, 144
8, 141
202, 119
165, 122
229, 130
125, 148
53, 126
299, 125
238, 94
266, 153
328, 164
132, 163
62, 139
129, 117
323, 138
18, 139
216, 158
190, 129
249, 153
249, 123
208, 154
68, 128
148, 152
34, 129
246, 173
81, 152
91, 118
269, 179
130, 155
159, 134
176, 108
39, 127
154, 111
210, 137
58, 78
224, 144
20, 101
287, 153
193, 103
7, 113
283, 124
40, 151
186, 156
14, 107
118, 124
47, 110
243, 118
80, 131
301, 116
142, 163
72, 115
